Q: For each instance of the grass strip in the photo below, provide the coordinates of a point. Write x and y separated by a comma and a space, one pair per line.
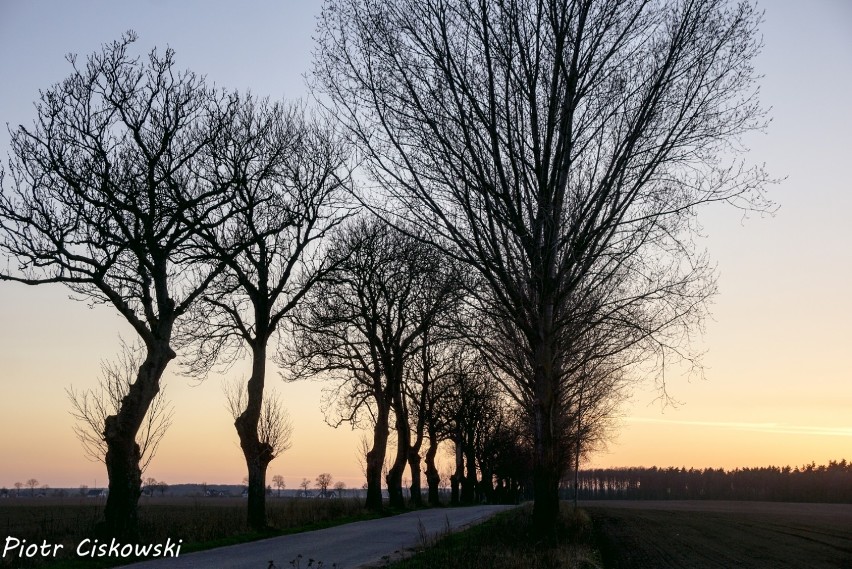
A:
508, 541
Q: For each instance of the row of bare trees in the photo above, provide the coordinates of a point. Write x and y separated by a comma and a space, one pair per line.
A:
196, 213
32, 484
559, 150
531, 170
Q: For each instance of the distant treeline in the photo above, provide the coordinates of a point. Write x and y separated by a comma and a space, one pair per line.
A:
808, 483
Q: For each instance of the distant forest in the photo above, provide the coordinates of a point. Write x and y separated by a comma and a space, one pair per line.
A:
808, 483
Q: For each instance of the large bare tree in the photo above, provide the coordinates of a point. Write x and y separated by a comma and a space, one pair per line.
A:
285, 172
563, 147
102, 198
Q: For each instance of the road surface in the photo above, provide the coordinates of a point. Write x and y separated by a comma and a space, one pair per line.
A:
349, 546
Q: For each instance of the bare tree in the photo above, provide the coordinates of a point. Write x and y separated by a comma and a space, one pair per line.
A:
362, 328
563, 147
105, 198
340, 487
323, 481
18, 486
286, 174
31, 484
278, 480
91, 408
304, 485
432, 388
274, 427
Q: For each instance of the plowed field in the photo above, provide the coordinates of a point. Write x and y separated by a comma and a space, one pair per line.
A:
704, 535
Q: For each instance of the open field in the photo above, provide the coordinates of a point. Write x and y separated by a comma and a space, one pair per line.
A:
200, 522
709, 534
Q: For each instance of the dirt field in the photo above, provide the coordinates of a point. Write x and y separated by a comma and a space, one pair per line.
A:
704, 535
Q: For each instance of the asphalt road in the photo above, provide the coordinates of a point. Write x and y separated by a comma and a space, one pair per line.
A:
359, 544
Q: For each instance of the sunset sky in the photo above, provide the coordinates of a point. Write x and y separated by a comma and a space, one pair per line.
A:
777, 386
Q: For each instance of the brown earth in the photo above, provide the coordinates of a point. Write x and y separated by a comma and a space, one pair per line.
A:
710, 534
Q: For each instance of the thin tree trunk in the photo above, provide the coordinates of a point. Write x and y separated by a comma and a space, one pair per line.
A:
487, 486
578, 445
458, 475
423, 403
468, 486
403, 442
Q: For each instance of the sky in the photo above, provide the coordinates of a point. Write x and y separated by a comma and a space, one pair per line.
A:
777, 385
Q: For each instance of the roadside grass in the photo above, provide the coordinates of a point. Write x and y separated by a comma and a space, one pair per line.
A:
202, 523
508, 541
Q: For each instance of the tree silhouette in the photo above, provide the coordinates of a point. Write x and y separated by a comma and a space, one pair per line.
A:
286, 175
363, 326
562, 148
279, 483
323, 481
274, 431
105, 198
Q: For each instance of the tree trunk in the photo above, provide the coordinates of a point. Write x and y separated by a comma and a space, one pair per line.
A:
487, 486
458, 475
394, 477
258, 454
468, 483
546, 468
433, 479
414, 466
256, 492
578, 446
376, 459
123, 454
125, 487
403, 444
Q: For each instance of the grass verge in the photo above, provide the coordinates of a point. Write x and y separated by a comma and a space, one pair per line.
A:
508, 541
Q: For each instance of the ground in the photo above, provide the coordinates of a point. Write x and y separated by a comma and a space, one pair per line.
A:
710, 534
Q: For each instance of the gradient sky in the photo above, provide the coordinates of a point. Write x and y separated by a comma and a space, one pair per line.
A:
778, 378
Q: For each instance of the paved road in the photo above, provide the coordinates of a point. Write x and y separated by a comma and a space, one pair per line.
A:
359, 544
